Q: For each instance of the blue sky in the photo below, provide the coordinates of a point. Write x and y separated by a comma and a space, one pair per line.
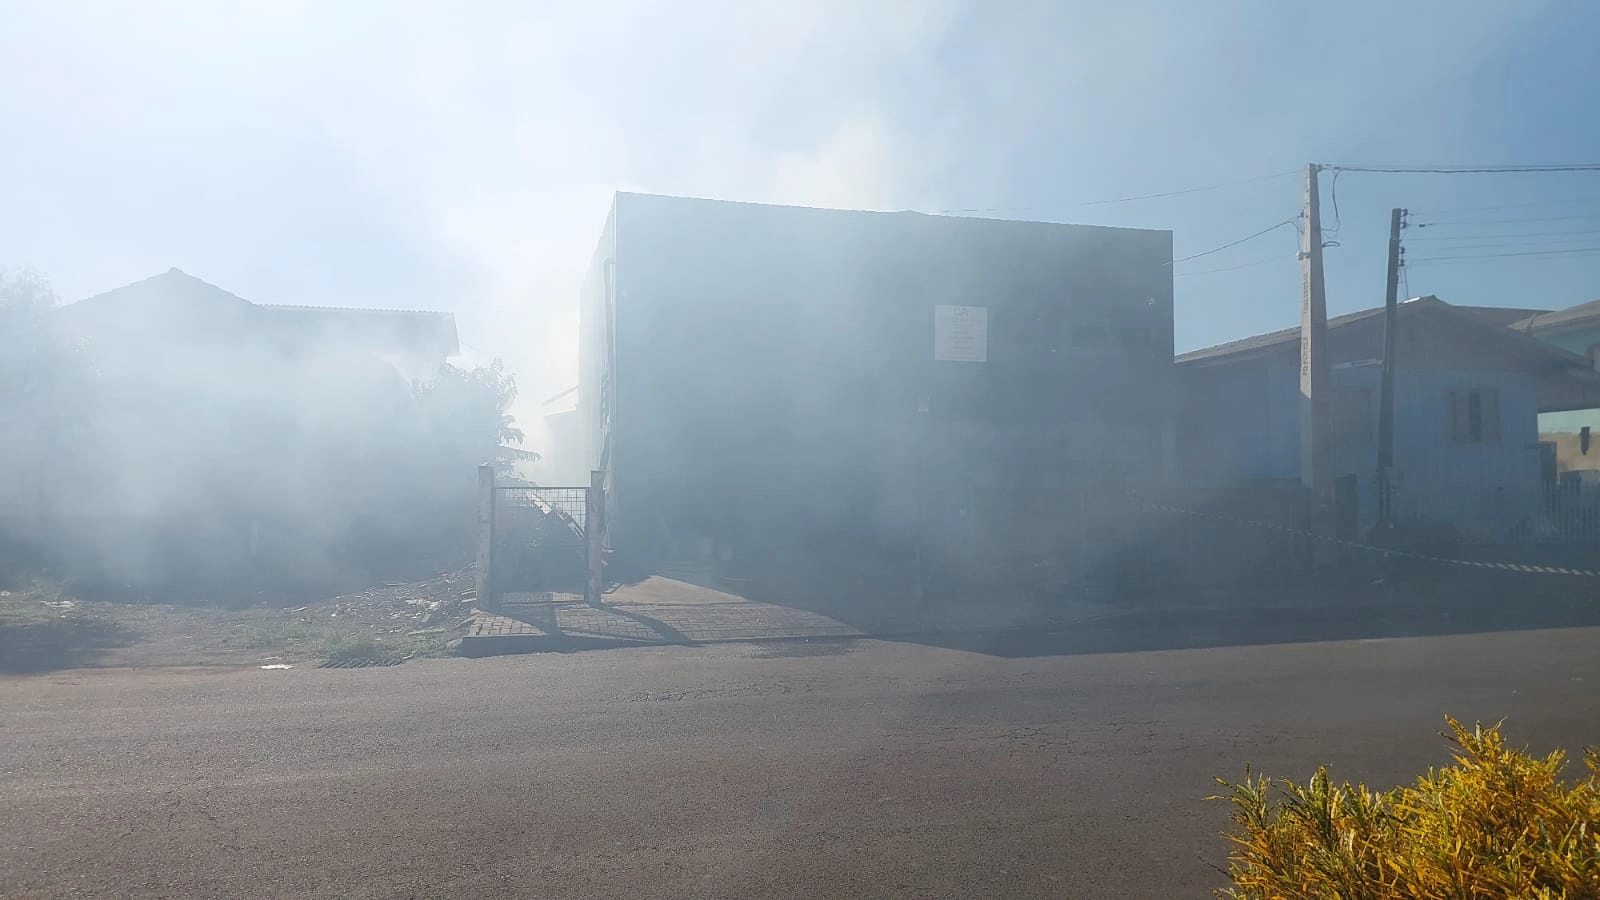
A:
461, 156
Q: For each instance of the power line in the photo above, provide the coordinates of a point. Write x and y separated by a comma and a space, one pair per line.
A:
1473, 223
1194, 190
1428, 259
1464, 170
1260, 262
1462, 209
1333, 194
1508, 234
1178, 193
1248, 237
1502, 245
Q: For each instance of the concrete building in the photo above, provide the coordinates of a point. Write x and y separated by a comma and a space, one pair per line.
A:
757, 377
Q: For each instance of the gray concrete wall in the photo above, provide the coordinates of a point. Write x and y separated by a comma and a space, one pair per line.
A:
772, 362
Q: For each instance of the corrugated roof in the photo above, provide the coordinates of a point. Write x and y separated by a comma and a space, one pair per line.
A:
411, 327
173, 285
1504, 316
357, 309
190, 302
1571, 317
1272, 338
1486, 325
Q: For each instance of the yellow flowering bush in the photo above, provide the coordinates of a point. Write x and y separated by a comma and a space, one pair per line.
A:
1497, 823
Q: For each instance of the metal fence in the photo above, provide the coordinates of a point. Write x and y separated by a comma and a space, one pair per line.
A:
540, 543
1566, 513
1570, 512
537, 541
568, 505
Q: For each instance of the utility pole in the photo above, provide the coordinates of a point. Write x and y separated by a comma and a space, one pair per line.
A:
1316, 431
1391, 311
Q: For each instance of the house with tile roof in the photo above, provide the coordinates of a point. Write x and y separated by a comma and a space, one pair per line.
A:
1468, 395
175, 307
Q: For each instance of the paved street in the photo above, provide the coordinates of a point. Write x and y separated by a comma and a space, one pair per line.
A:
853, 768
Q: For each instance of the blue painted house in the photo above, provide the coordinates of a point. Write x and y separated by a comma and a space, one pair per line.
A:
1468, 395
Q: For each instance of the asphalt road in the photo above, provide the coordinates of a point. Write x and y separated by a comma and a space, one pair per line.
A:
835, 769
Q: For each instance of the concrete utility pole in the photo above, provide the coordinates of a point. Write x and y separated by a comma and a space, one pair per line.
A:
484, 580
1316, 432
594, 531
1391, 311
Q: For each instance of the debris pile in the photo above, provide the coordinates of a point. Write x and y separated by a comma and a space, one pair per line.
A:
442, 602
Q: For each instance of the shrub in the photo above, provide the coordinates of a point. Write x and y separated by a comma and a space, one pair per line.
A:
1497, 823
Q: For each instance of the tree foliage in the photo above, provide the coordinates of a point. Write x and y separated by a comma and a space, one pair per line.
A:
461, 402
45, 385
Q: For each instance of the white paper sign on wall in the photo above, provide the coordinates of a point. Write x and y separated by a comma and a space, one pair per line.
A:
961, 333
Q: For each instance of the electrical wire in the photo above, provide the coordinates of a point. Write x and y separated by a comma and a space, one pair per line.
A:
1333, 194
1248, 265
1193, 190
1461, 209
1178, 193
1508, 245
1508, 234
1430, 259
1248, 237
1477, 222
1464, 170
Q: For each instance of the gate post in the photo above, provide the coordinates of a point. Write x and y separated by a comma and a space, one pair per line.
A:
484, 582
594, 528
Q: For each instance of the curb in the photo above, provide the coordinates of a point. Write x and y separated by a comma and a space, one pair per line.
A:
517, 644
525, 643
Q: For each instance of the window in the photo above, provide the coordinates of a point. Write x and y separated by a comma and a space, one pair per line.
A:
1474, 417
1352, 416
1594, 357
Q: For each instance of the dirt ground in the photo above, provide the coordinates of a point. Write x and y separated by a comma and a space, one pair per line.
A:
42, 628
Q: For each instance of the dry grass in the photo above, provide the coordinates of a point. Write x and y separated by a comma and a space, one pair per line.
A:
1498, 823
43, 627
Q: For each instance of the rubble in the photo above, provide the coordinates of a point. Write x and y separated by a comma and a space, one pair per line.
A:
401, 608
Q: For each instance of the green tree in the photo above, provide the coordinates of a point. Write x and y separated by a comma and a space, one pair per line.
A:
32, 348
470, 411
412, 498
45, 390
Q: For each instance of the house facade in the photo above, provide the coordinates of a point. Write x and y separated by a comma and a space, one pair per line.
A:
1468, 397
752, 375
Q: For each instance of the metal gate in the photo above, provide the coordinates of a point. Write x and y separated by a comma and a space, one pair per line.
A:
536, 541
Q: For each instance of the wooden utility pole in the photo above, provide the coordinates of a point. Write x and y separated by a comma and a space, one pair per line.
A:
1391, 311
1316, 431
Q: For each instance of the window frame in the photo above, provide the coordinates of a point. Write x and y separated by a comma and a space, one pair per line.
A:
1490, 421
